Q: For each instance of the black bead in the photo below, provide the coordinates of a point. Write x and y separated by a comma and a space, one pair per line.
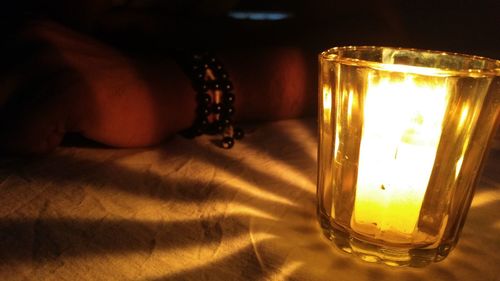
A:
229, 111
215, 99
195, 68
211, 85
228, 86
204, 99
238, 133
217, 108
204, 110
219, 127
229, 98
225, 121
218, 67
214, 128
227, 142
203, 87
193, 132
199, 75
203, 123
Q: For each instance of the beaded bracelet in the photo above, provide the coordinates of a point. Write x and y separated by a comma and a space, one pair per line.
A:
214, 96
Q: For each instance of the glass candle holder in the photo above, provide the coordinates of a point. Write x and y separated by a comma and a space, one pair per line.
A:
402, 135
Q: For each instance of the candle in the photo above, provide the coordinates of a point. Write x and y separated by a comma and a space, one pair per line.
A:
400, 135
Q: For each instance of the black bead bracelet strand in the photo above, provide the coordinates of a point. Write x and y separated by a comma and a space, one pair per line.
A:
215, 99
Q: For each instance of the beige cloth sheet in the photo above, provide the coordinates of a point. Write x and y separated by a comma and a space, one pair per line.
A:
188, 210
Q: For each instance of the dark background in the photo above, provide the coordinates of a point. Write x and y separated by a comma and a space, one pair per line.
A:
461, 26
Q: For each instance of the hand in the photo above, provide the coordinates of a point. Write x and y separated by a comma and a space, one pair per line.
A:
59, 81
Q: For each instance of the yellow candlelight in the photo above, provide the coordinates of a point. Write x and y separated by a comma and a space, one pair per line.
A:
400, 135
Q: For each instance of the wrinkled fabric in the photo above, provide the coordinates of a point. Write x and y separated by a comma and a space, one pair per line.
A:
188, 210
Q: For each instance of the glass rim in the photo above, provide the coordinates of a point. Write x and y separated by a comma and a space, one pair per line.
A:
332, 54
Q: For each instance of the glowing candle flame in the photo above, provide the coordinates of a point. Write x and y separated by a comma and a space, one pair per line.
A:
401, 132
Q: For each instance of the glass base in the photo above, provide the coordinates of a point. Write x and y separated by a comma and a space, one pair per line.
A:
370, 252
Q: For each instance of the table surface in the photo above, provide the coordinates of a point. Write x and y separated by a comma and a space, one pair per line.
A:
188, 210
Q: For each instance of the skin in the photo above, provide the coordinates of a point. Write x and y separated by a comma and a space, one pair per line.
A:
70, 81
74, 83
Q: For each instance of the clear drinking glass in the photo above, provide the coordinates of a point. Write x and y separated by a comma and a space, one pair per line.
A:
402, 135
